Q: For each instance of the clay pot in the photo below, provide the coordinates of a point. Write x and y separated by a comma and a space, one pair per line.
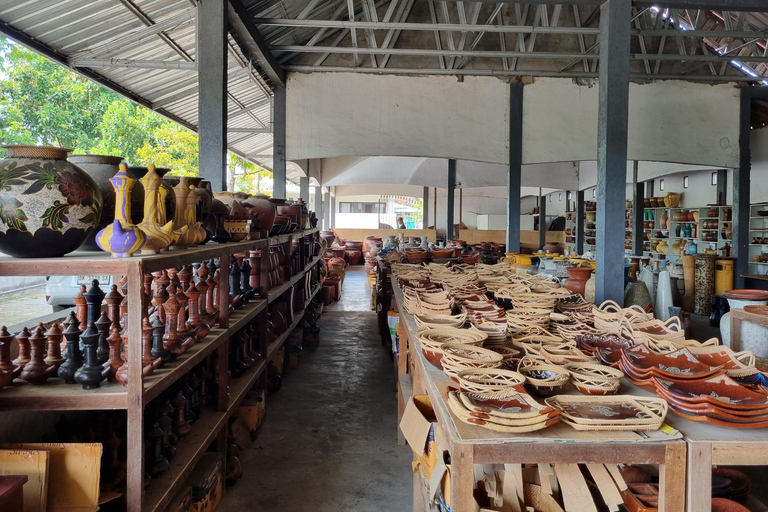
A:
353, 256
672, 200
551, 248
577, 279
50, 207
100, 168
264, 208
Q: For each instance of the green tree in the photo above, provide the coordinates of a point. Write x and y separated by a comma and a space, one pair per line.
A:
245, 176
124, 129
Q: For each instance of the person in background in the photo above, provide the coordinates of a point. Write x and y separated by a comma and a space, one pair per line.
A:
400, 223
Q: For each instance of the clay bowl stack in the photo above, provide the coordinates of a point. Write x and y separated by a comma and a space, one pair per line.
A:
462, 356
640, 365
740, 486
506, 410
717, 400
417, 256
542, 379
432, 341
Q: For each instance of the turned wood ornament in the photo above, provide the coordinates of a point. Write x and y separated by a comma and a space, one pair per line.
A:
180, 426
165, 422
158, 463
81, 307
55, 336
73, 354
91, 373
170, 339
36, 371
115, 361
158, 331
102, 325
6, 365
23, 339
113, 299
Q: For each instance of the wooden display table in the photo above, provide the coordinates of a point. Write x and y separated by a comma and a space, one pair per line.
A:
469, 445
739, 315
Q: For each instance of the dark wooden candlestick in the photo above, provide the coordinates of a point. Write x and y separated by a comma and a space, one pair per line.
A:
158, 331
6, 365
74, 355
54, 335
158, 463
147, 358
36, 371
81, 307
93, 298
102, 351
170, 339
23, 339
92, 372
164, 422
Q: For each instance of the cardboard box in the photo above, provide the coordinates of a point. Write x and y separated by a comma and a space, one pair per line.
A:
418, 427
278, 360
73, 475
34, 464
203, 489
253, 409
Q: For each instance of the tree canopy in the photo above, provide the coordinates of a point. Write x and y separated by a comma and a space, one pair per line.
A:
43, 103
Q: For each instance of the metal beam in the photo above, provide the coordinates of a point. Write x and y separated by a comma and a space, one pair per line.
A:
253, 45
449, 215
638, 189
425, 208
212, 99
278, 136
514, 173
174, 65
612, 128
731, 5
249, 130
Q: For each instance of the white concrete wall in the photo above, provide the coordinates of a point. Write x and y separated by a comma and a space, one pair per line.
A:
759, 185
341, 114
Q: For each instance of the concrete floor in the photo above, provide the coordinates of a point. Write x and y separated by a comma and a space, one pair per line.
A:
329, 442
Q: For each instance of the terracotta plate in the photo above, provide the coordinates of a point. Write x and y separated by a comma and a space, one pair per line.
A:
680, 364
758, 310
747, 294
719, 390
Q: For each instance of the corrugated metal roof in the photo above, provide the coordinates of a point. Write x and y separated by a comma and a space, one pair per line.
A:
72, 29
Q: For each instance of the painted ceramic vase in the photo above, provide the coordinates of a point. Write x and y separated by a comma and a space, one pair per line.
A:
191, 215
122, 238
48, 206
137, 197
100, 168
159, 236
185, 236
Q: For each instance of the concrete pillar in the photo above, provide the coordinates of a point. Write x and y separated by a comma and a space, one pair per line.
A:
612, 127
332, 196
425, 210
579, 233
278, 135
304, 189
212, 99
722, 186
514, 176
637, 213
741, 179
451, 194
542, 220
319, 206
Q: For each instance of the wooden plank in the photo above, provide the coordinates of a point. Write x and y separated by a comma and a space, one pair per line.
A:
462, 479
740, 454
135, 406
609, 492
613, 469
672, 482
699, 478
573, 488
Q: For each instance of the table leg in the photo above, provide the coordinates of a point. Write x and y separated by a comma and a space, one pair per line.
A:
672, 478
462, 479
699, 478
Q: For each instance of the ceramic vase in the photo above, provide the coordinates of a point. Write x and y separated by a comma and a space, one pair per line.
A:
100, 168
198, 233
705, 284
689, 279
184, 237
589, 289
48, 206
663, 296
122, 238
754, 337
159, 236
664, 221
577, 279
636, 294
646, 276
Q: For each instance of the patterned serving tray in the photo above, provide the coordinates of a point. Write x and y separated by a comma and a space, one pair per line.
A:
506, 404
611, 411
680, 364
720, 390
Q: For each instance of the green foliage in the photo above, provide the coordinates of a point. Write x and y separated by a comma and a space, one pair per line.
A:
245, 176
43, 103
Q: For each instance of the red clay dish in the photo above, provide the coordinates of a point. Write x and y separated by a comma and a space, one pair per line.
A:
726, 505
680, 364
721, 391
747, 294
758, 310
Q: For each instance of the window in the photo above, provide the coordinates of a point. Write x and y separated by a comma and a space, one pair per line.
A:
714, 178
685, 181
357, 207
661, 184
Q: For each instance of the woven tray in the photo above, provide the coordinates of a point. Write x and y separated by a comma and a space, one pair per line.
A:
620, 412
454, 403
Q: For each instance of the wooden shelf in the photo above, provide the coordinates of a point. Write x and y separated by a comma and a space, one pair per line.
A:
274, 293
56, 395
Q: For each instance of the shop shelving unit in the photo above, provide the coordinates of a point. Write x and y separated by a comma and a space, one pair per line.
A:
55, 395
570, 223
758, 232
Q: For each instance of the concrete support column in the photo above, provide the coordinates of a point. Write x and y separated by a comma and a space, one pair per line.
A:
332, 197
319, 206
278, 135
579, 234
304, 189
722, 186
612, 127
212, 99
514, 176
542, 220
638, 195
425, 209
451, 193
649, 188
741, 179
